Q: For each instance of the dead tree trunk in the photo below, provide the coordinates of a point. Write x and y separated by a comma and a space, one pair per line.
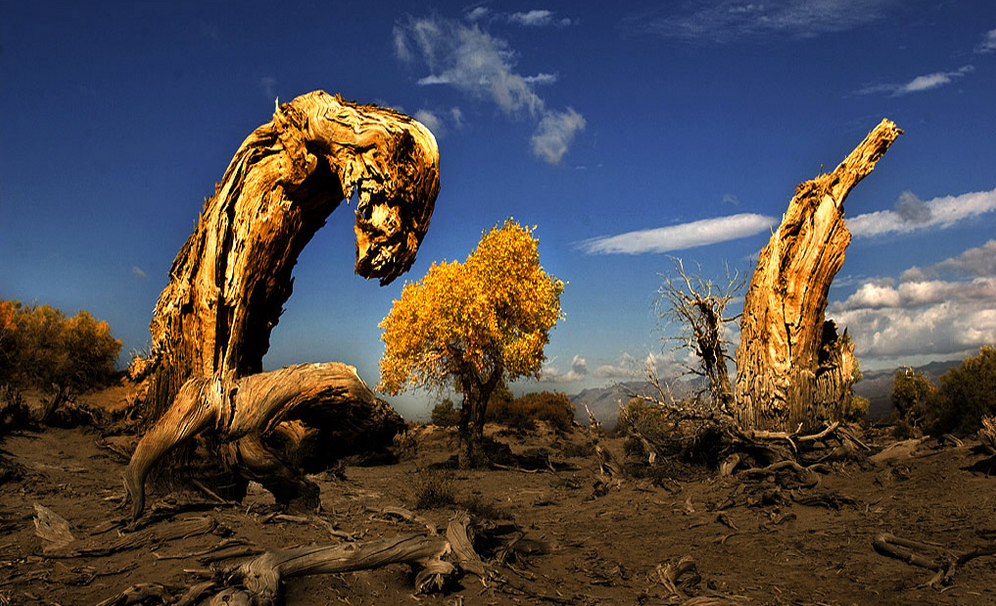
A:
793, 368
230, 280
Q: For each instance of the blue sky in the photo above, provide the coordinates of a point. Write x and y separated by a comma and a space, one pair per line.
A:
625, 131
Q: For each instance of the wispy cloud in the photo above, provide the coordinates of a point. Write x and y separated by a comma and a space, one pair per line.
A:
433, 122
918, 84
724, 21
911, 214
269, 86
139, 273
530, 18
679, 237
979, 261
539, 18
988, 42
577, 372
555, 134
482, 66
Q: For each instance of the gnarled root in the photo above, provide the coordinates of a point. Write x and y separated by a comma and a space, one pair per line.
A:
196, 407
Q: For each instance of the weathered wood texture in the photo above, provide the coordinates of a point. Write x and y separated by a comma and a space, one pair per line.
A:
329, 399
436, 556
793, 368
230, 280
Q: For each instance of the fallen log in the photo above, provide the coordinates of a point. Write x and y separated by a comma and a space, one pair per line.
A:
261, 578
912, 552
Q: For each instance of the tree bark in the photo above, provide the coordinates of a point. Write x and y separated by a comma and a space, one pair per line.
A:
792, 368
328, 398
231, 278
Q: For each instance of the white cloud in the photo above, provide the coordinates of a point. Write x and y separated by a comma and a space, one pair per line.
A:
979, 261
912, 215
730, 199
431, 121
139, 273
533, 18
924, 318
918, 84
477, 13
679, 237
988, 43
725, 21
577, 372
482, 66
555, 134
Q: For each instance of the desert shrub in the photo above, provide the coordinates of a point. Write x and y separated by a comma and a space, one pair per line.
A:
43, 349
967, 394
912, 395
856, 409
554, 408
483, 509
445, 415
432, 489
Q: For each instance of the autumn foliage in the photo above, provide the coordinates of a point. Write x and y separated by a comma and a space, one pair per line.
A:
482, 322
40, 348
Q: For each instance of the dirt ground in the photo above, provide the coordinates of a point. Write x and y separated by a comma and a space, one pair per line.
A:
567, 538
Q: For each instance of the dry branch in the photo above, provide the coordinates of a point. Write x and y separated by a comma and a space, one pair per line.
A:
261, 578
792, 367
912, 552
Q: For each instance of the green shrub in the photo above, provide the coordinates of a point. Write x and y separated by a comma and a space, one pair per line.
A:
912, 395
968, 393
445, 415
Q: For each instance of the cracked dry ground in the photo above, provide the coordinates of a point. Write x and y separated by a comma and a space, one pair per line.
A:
752, 542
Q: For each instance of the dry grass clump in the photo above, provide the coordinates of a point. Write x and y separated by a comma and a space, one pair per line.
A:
432, 489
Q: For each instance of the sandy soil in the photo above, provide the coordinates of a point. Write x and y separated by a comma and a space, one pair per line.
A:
751, 543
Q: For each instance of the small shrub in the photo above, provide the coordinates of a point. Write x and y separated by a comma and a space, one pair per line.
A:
445, 415
912, 395
857, 409
554, 408
483, 509
432, 489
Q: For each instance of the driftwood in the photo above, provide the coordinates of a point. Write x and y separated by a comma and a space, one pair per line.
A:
230, 280
913, 552
987, 434
330, 397
792, 366
438, 557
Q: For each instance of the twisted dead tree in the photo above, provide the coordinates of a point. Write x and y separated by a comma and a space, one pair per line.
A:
698, 305
792, 367
230, 280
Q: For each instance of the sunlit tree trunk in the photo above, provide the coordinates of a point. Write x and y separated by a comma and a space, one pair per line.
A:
231, 278
792, 368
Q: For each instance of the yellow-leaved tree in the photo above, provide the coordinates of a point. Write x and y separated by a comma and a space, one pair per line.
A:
481, 322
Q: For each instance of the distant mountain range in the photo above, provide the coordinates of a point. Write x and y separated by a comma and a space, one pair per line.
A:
605, 402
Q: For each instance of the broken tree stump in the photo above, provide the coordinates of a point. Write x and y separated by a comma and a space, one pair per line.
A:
792, 366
